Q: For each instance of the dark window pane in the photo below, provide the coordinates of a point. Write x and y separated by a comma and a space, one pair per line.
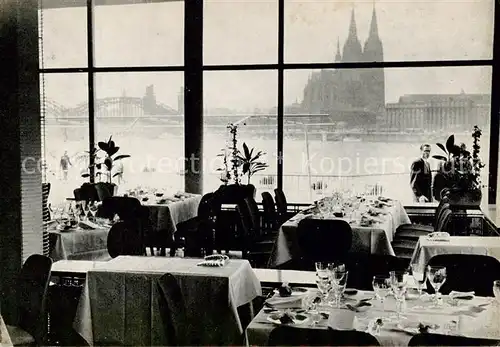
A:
64, 100
140, 34
249, 98
240, 32
143, 112
63, 33
327, 31
338, 134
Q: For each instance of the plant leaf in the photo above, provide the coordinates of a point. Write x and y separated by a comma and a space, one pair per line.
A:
85, 175
116, 174
440, 157
109, 163
112, 150
246, 167
246, 151
121, 156
450, 143
440, 145
104, 146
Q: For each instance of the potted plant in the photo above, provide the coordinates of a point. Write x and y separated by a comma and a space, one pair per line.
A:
106, 187
461, 170
250, 163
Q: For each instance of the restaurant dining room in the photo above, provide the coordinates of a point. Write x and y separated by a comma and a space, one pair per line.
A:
249, 172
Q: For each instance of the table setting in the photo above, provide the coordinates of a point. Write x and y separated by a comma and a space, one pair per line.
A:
76, 233
393, 312
373, 219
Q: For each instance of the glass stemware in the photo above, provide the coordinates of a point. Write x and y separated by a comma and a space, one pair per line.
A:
398, 285
418, 273
496, 290
436, 276
339, 282
381, 287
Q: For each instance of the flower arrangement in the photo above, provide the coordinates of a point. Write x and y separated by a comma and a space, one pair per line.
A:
462, 169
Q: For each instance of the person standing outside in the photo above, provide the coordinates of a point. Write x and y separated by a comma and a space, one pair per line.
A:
65, 163
421, 176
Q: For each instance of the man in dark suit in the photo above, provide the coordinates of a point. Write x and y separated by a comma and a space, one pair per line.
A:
421, 177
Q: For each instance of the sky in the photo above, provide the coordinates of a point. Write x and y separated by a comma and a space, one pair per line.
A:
245, 32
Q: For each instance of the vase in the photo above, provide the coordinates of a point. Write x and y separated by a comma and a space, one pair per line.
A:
105, 190
465, 198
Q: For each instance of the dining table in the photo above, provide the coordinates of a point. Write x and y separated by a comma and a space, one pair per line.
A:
5, 340
118, 304
85, 241
477, 317
428, 247
374, 237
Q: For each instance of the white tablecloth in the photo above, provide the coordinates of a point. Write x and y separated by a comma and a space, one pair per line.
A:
470, 322
4, 335
79, 244
119, 306
375, 239
482, 245
166, 216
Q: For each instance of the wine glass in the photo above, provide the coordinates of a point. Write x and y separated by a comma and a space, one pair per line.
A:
418, 273
310, 304
324, 285
381, 287
496, 290
436, 276
398, 281
339, 282
93, 209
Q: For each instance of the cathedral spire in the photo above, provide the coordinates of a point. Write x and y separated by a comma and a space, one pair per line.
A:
373, 24
353, 32
338, 57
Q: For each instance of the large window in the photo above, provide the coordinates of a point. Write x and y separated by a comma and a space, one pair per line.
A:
339, 95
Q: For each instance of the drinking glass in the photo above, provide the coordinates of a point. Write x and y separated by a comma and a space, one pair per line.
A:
310, 304
324, 285
496, 290
436, 276
93, 209
381, 287
418, 273
323, 268
339, 282
398, 285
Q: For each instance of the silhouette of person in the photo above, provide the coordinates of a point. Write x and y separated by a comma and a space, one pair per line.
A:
421, 177
65, 163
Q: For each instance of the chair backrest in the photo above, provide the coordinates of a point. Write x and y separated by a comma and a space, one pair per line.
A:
427, 339
254, 214
323, 240
443, 206
444, 219
87, 192
270, 215
467, 272
291, 336
233, 194
32, 287
246, 223
127, 208
363, 266
205, 206
178, 328
281, 202
124, 239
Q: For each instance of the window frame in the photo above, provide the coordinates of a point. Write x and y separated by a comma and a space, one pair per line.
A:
195, 68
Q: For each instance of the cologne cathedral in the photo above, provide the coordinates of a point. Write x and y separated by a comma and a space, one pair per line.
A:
354, 96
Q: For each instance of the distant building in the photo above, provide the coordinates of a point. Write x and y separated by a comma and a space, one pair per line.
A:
429, 112
352, 96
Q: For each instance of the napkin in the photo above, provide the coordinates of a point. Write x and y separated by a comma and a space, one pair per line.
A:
341, 319
439, 236
87, 225
459, 295
216, 260
280, 302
